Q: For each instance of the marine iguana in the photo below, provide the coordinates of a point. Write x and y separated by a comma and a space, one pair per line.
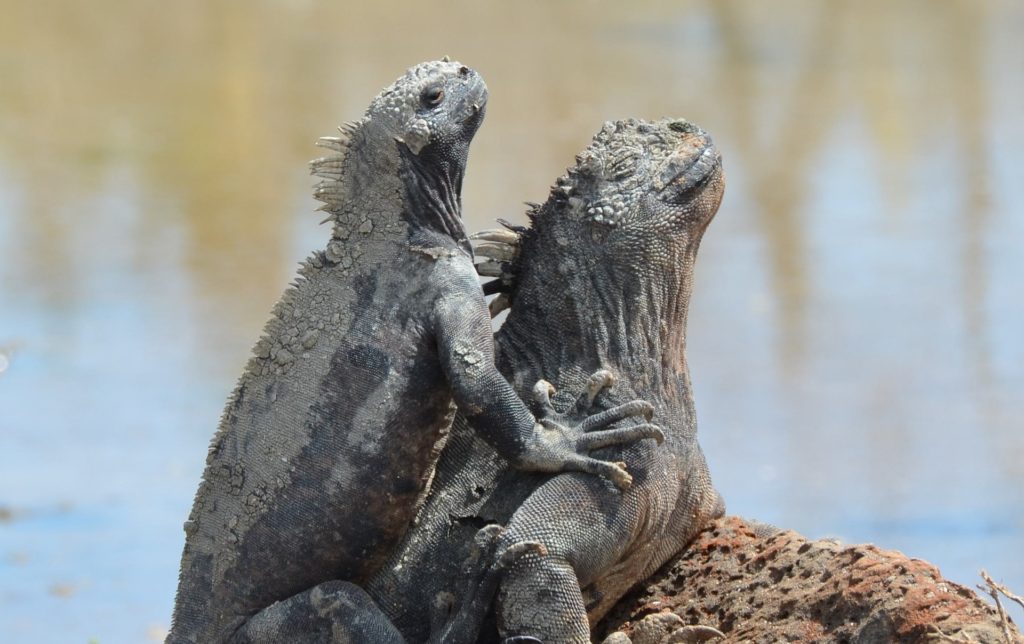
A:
602, 280
332, 432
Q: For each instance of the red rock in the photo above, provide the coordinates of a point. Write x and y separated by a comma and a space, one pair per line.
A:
786, 588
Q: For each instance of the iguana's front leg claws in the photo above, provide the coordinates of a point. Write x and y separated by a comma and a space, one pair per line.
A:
493, 250
665, 628
485, 543
621, 436
500, 249
490, 269
499, 235
542, 392
615, 414
597, 382
487, 536
614, 472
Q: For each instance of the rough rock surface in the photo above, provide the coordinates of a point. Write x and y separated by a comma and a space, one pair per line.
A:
786, 588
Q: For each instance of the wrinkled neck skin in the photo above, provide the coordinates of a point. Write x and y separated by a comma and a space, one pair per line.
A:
433, 194
587, 312
379, 170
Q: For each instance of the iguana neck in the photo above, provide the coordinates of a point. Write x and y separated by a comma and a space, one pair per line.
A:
632, 322
433, 195
377, 183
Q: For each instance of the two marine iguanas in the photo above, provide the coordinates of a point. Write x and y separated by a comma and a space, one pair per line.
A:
332, 435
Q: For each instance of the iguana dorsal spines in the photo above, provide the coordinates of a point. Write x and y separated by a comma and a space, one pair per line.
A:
329, 439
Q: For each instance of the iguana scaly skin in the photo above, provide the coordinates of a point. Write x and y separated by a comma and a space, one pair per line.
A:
332, 432
603, 280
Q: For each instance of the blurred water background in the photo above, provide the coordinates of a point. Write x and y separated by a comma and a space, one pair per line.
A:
857, 332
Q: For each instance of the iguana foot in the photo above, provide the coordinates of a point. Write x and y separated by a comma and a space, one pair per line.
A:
665, 628
561, 446
448, 625
500, 247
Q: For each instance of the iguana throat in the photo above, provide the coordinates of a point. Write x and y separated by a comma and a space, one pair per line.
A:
433, 195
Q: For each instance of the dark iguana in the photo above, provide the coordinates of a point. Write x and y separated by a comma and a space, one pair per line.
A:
333, 430
603, 280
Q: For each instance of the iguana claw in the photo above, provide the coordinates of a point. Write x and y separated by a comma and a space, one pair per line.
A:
500, 248
542, 392
500, 235
501, 252
489, 269
599, 381
561, 443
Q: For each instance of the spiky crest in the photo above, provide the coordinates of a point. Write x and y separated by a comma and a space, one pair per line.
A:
365, 170
330, 168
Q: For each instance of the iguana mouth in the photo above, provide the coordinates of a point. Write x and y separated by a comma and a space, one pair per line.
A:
474, 105
681, 181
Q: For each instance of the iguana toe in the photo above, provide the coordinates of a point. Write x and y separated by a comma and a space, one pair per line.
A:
597, 382
695, 633
495, 250
499, 235
542, 392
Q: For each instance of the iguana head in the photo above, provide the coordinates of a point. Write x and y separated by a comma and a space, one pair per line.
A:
639, 194
617, 238
416, 134
438, 104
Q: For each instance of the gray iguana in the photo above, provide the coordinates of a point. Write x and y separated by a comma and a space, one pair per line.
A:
602, 281
332, 432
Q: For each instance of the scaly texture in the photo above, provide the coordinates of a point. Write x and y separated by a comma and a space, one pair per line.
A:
786, 588
328, 439
602, 281
331, 435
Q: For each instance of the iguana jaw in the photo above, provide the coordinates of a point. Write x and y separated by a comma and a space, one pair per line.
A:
433, 202
432, 169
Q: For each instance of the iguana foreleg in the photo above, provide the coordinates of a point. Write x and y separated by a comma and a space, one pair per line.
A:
541, 596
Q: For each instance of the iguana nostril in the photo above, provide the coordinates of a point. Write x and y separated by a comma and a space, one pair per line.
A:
463, 71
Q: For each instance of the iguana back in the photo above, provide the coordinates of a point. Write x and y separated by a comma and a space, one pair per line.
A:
336, 424
329, 436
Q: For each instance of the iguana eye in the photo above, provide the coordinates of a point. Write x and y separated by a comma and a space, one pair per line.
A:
431, 97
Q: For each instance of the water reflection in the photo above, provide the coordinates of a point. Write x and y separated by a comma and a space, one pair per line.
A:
855, 336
